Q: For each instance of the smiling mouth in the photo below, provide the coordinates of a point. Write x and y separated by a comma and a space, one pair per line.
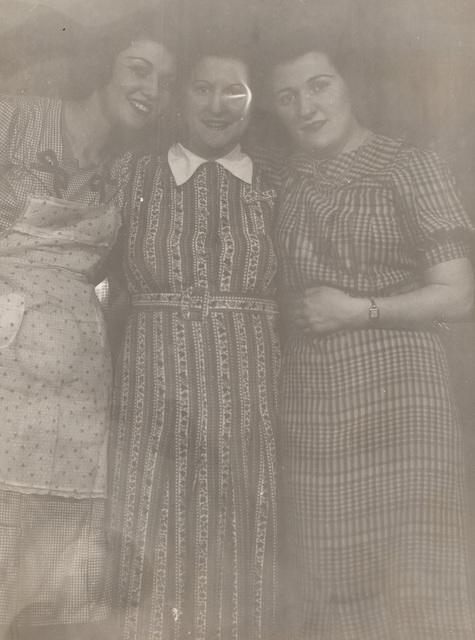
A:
216, 125
143, 107
313, 126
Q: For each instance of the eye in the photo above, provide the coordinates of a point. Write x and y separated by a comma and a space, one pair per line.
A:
166, 84
140, 70
237, 91
317, 85
285, 99
201, 89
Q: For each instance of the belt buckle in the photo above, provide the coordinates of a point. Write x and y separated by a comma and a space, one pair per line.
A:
194, 304
204, 305
185, 304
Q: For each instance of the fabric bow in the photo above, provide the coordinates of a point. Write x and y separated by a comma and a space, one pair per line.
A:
98, 184
47, 161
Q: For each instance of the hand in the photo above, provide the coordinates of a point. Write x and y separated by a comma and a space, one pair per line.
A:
321, 310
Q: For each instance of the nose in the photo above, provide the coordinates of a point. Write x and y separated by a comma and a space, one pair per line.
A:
306, 105
216, 103
151, 87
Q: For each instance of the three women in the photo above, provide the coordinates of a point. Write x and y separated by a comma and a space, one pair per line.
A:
370, 236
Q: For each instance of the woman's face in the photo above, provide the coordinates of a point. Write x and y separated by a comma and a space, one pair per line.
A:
312, 101
216, 106
141, 85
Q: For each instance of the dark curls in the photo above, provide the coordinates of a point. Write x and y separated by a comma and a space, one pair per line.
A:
96, 58
343, 51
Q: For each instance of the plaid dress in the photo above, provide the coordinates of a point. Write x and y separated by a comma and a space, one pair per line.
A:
371, 444
193, 483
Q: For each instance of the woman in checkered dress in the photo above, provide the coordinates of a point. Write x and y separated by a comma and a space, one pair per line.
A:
373, 245
58, 220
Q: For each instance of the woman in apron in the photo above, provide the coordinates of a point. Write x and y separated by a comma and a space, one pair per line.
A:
57, 223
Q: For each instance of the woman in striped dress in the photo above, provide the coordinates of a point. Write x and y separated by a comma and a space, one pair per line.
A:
373, 243
193, 483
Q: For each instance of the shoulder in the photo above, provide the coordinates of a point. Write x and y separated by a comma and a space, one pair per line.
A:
30, 107
145, 170
270, 163
379, 155
421, 168
26, 123
415, 158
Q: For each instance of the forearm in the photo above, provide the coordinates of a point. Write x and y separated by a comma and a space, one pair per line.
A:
446, 294
429, 303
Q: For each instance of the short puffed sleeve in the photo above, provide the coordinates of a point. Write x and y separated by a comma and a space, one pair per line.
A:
433, 218
13, 124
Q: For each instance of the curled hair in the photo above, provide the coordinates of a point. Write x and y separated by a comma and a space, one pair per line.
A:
203, 44
98, 52
342, 50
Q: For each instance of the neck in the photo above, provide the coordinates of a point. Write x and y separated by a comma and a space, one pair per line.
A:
359, 135
355, 137
206, 153
87, 129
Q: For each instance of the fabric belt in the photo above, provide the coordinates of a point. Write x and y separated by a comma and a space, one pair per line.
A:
198, 306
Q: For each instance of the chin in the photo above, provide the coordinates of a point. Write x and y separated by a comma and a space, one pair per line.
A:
216, 149
136, 123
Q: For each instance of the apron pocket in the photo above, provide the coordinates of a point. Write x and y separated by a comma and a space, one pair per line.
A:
12, 310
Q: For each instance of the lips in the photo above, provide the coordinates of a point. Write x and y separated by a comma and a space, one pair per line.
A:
141, 106
312, 127
216, 125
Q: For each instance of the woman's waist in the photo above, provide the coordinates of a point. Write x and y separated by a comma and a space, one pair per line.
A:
39, 285
358, 285
22, 270
192, 302
374, 343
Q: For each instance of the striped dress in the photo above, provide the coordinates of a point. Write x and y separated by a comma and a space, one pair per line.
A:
371, 444
193, 480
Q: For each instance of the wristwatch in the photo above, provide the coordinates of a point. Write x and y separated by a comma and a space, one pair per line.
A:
373, 311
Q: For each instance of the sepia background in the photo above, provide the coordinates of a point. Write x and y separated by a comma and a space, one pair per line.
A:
421, 54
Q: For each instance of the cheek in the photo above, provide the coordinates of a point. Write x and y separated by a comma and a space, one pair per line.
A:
191, 109
241, 126
120, 79
164, 101
341, 103
287, 118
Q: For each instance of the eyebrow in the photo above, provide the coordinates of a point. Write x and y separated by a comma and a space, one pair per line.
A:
139, 58
241, 85
317, 77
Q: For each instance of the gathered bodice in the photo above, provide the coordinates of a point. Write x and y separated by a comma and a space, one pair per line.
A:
60, 234
368, 221
213, 233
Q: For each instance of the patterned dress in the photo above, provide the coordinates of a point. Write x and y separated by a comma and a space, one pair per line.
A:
55, 373
372, 457
193, 484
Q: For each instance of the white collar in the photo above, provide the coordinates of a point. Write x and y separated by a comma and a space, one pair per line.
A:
183, 163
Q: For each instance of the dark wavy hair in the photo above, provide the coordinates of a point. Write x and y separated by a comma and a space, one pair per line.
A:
202, 44
345, 53
98, 51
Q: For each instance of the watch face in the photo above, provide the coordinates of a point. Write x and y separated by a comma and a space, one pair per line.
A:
373, 312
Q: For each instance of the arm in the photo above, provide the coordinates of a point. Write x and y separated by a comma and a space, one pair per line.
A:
116, 308
447, 294
434, 231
